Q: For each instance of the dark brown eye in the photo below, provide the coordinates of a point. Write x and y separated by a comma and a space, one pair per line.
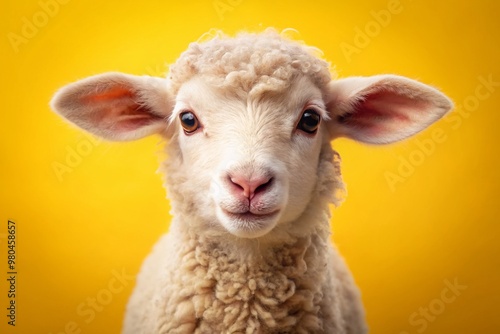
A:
309, 122
189, 122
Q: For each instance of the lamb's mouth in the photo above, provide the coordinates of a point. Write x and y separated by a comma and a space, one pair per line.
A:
249, 216
248, 224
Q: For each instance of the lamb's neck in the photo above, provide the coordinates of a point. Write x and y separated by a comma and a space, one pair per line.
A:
263, 280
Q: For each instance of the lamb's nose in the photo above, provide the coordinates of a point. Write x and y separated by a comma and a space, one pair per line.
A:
250, 187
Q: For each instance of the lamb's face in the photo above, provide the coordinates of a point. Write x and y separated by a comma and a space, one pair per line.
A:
243, 159
250, 160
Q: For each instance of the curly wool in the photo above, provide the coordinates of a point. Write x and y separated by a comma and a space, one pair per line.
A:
221, 295
256, 63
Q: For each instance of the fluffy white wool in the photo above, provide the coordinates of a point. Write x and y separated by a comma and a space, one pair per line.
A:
251, 256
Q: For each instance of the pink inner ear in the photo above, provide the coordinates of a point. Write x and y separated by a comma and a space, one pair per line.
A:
132, 122
383, 112
111, 94
117, 109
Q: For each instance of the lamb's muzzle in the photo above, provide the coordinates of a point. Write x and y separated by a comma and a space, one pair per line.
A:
250, 199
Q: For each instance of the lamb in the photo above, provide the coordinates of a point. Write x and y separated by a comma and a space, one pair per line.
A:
250, 173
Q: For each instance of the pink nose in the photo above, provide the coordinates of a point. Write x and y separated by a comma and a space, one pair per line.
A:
250, 187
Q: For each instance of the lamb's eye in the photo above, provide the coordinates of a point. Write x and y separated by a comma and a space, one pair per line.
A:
309, 122
189, 122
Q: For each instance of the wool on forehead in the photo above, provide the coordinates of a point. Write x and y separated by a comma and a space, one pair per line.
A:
250, 62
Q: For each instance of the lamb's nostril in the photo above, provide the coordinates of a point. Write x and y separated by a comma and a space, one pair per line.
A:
264, 186
250, 187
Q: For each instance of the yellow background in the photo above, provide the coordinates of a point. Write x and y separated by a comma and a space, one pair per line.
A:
438, 223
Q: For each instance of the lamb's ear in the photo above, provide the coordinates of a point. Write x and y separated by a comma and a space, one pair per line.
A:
116, 106
382, 109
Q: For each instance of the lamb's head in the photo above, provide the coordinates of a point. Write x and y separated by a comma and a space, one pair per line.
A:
247, 120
